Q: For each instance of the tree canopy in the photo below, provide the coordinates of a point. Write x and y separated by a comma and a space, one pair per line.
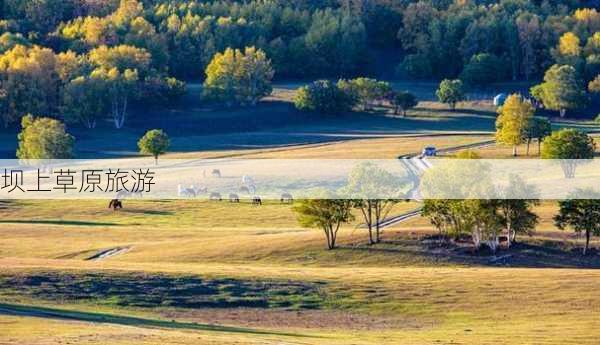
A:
155, 142
240, 77
44, 138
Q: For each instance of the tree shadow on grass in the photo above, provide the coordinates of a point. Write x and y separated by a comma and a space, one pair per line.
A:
54, 313
57, 222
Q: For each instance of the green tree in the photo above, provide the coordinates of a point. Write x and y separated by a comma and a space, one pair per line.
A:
538, 128
84, 101
561, 90
118, 88
367, 91
323, 96
568, 145
237, 77
44, 138
451, 92
155, 142
511, 124
483, 69
328, 214
515, 210
374, 192
582, 214
402, 101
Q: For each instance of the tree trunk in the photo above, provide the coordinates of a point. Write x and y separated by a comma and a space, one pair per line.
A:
587, 242
539, 146
155, 159
514, 153
528, 143
509, 234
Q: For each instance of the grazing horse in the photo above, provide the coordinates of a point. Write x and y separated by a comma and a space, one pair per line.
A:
115, 204
234, 197
256, 201
187, 192
287, 198
214, 196
216, 173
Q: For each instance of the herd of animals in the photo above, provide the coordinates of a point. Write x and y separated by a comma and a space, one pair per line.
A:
247, 186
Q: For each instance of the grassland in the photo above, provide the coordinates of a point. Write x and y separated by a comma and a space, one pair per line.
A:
192, 272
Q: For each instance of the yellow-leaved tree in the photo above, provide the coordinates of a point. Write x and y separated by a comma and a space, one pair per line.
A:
511, 124
238, 77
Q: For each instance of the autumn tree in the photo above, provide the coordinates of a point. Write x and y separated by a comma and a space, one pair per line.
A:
511, 124
29, 82
561, 90
451, 92
44, 138
155, 142
327, 214
239, 77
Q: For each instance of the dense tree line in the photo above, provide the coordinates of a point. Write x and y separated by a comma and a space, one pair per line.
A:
55, 52
508, 39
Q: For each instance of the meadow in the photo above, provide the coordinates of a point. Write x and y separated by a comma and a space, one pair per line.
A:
190, 271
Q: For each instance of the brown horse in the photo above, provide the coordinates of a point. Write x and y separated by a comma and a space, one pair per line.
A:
115, 204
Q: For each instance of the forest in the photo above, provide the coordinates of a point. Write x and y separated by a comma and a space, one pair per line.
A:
78, 60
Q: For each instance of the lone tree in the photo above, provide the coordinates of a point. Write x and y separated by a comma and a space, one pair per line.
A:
582, 214
512, 123
374, 192
538, 128
44, 138
402, 101
239, 77
561, 89
155, 142
451, 92
568, 145
328, 214
323, 96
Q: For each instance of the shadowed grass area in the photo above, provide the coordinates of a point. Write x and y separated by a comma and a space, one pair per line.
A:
44, 312
56, 222
159, 290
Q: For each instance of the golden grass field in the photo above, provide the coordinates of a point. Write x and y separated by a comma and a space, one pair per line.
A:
390, 293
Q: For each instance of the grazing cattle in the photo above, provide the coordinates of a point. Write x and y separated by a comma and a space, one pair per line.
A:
115, 204
287, 198
256, 201
214, 196
216, 173
234, 197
